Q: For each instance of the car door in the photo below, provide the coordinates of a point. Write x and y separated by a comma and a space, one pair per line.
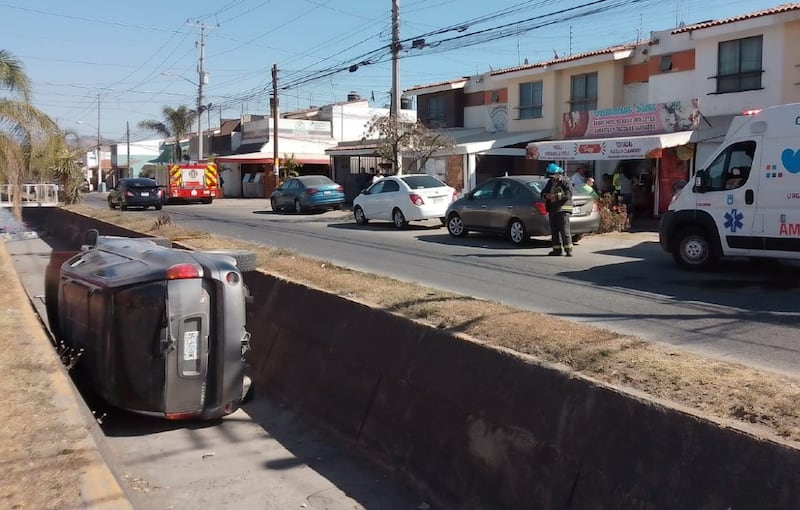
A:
284, 198
388, 198
369, 199
729, 196
475, 212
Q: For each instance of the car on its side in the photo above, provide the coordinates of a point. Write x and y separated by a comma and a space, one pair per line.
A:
156, 330
513, 206
307, 193
136, 192
404, 198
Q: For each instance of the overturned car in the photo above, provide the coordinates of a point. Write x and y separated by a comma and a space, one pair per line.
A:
157, 330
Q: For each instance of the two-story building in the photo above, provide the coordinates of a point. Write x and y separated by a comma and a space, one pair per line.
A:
660, 106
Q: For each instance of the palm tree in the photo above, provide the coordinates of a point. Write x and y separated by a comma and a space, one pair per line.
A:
22, 127
177, 123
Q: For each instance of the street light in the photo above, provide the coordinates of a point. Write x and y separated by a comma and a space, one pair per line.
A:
203, 80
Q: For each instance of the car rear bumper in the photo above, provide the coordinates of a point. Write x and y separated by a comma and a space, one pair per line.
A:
326, 201
143, 201
426, 212
584, 224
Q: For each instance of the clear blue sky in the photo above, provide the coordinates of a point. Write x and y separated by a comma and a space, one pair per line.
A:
119, 49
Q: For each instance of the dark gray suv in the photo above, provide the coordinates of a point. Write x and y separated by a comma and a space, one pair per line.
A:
158, 330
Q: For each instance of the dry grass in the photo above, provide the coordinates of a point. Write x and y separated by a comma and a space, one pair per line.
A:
40, 464
768, 404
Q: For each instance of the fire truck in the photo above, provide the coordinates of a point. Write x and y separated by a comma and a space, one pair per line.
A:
187, 182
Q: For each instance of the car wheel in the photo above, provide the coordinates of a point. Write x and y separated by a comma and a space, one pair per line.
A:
576, 238
455, 226
111, 204
123, 206
273, 204
245, 260
359, 215
297, 207
158, 207
516, 232
693, 250
398, 219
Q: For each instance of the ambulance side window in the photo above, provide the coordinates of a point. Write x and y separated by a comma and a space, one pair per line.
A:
731, 168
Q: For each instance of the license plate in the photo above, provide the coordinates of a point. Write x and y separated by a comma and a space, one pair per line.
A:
145, 194
190, 345
438, 200
326, 192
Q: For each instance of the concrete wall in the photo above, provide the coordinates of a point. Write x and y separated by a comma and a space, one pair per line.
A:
479, 427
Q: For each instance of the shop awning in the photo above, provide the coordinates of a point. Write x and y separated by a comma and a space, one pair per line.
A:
263, 157
627, 147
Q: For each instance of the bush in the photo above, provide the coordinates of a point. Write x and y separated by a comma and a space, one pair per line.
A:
613, 215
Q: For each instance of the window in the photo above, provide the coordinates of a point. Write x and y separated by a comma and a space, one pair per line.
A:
731, 168
584, 92
436, 112
739, 65
530, 100
485, 190
665, 64
494, 97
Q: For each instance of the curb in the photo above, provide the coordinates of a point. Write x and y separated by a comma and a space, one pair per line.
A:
99, 487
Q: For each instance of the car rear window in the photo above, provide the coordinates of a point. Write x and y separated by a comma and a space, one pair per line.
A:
141, 183
537, 186
422, 181
317, 180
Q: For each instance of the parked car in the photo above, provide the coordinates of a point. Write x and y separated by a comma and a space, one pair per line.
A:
156, 330
307, 192
513, 206
136, 192
403, 198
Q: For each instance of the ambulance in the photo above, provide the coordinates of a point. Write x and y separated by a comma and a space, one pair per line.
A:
745, 201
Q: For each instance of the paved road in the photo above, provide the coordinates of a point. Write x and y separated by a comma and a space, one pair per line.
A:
743, 312
261, 457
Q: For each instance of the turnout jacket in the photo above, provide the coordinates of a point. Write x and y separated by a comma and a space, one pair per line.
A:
562, 191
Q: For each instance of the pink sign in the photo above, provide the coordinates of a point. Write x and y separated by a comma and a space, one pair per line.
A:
639, 119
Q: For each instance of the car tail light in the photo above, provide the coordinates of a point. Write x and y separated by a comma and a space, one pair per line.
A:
540, 207
455, 196
232, 278
311, 191
595, 207
129, 193
340, 189
184, 271
416, 199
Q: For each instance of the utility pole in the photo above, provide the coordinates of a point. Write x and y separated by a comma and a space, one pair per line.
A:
275, 160
128, 143
99, 165
395, 106
202, 80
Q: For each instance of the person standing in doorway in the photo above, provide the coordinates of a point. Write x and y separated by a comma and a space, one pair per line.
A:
578, 179
557, 194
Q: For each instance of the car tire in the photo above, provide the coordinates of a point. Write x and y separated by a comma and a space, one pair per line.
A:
123, 206
245, 260
273, 204
693, 249
576, 238
398, 219
516, 232
358, 214
298, 207
158, 207
455, 226
166, 242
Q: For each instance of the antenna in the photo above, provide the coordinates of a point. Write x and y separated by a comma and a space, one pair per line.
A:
570, 40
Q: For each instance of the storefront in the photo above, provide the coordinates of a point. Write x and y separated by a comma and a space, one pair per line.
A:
655, 140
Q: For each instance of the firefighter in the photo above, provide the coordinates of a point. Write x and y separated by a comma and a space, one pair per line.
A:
558, 200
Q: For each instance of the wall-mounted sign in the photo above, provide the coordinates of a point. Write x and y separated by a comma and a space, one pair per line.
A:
633, 120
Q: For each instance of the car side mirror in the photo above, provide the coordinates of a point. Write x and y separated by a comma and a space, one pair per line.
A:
90, 238
699, 182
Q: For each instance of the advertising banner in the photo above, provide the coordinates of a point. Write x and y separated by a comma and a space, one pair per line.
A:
634, 120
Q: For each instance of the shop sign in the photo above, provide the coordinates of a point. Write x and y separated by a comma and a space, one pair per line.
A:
633, 120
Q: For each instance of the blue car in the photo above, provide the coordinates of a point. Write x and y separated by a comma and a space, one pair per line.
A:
307, 193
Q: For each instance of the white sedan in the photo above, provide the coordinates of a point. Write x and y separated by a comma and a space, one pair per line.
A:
404, 198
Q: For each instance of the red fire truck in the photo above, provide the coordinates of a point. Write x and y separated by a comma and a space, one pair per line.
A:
187, 182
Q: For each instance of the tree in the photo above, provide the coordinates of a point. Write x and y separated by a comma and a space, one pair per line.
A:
177, 123
289, 167
411, 139
22, 127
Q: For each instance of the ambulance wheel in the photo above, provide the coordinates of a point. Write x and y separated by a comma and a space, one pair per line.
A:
693, 249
